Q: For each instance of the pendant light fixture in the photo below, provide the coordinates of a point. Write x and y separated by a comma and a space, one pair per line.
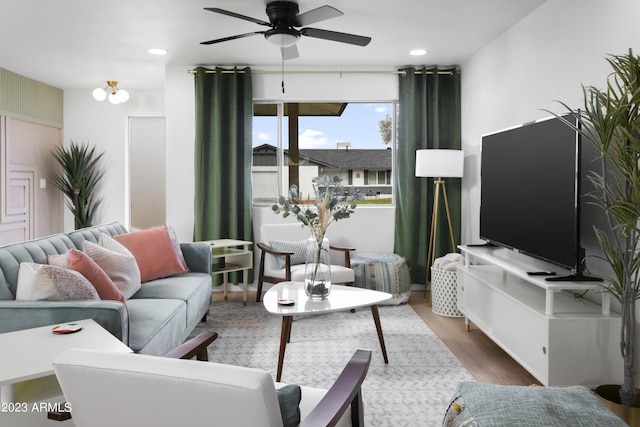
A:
115, 95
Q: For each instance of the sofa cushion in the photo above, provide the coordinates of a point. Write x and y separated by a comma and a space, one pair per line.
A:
118, 263
48, 282
154, 252
289, 397
339, 273
156, 325
78, 261
192, 288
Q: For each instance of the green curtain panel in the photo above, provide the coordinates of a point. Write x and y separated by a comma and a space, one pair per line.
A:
429, 117
224, 115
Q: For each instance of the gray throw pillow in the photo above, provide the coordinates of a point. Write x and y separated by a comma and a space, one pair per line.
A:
299, 250
289, 399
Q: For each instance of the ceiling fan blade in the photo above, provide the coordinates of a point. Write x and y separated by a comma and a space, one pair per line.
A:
336, 36
321, 13
237, 15
289, 52
226, 39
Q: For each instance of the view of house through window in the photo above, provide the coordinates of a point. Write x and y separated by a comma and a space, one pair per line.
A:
295, 142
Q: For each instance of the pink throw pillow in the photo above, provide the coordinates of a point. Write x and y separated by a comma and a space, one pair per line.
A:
154, 252
78, 261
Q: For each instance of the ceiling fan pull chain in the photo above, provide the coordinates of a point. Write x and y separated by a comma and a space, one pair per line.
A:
283, 74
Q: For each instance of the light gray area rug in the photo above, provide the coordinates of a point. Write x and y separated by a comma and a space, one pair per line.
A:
414, 389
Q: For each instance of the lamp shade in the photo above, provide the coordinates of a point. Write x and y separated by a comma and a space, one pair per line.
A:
440, 163
99, 94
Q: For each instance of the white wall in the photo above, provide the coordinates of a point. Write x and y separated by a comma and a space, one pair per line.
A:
544, 58
105, 125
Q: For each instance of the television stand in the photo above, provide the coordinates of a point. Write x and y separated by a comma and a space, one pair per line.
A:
559, 337
482, 245
579, 277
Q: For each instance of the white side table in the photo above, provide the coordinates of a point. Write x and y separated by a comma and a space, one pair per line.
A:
229, 255
26, 373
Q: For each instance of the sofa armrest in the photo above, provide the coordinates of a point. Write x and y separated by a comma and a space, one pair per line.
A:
198, 256
111, 315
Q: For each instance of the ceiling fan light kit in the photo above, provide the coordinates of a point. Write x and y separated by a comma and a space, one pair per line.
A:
115, 95
282, 38
285, 23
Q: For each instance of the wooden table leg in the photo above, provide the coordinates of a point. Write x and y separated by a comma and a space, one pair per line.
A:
376, 320
244, 286
284, 338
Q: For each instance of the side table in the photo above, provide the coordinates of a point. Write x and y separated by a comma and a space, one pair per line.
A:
341, 298
26, 373
229, 255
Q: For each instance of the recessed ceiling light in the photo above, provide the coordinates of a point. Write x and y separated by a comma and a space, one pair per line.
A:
418, 52
156, 51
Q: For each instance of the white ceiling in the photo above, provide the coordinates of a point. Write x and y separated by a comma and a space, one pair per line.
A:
82, 43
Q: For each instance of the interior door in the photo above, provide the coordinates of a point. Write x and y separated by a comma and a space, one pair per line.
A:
147, 171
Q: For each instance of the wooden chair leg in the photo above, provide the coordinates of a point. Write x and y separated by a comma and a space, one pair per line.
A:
58, 415
259, 293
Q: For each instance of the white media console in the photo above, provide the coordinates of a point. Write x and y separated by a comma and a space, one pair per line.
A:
559, 337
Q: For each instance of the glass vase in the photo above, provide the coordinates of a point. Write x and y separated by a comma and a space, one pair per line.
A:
317, 273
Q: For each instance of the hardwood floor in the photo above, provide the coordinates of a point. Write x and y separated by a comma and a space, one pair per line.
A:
486, 361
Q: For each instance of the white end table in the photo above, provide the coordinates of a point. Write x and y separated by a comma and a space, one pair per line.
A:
341, 298
26, 373
229, 255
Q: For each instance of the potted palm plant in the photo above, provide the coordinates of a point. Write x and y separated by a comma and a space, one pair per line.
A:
610, 119
80, 174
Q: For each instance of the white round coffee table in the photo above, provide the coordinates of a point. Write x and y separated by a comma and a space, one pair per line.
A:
341, 298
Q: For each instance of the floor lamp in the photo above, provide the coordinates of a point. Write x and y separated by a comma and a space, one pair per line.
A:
438, 164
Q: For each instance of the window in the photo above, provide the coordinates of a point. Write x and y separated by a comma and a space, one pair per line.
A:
295, 142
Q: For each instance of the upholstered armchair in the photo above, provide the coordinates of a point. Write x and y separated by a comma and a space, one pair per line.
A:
282, 256
106, 389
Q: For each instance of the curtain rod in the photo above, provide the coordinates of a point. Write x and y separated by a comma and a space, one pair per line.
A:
447, 72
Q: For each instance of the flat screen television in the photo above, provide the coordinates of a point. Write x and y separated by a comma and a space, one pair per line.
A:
531, 192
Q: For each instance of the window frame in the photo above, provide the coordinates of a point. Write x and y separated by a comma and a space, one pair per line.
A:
280, 150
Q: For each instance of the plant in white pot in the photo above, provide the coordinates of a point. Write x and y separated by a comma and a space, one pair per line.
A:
610, 119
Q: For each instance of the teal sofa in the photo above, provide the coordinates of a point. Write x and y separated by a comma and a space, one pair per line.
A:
155, 320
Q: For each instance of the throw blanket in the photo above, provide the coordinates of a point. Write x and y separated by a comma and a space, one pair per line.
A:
449, 262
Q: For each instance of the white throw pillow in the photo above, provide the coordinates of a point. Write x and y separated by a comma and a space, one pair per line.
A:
117, 262
298, 248
176, 245
38, 282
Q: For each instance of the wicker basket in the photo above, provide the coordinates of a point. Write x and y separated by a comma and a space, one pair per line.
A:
444, 293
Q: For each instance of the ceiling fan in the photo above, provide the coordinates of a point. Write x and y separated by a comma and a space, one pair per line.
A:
285, 23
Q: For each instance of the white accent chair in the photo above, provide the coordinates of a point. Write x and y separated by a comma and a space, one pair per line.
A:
271, 272
106, 389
